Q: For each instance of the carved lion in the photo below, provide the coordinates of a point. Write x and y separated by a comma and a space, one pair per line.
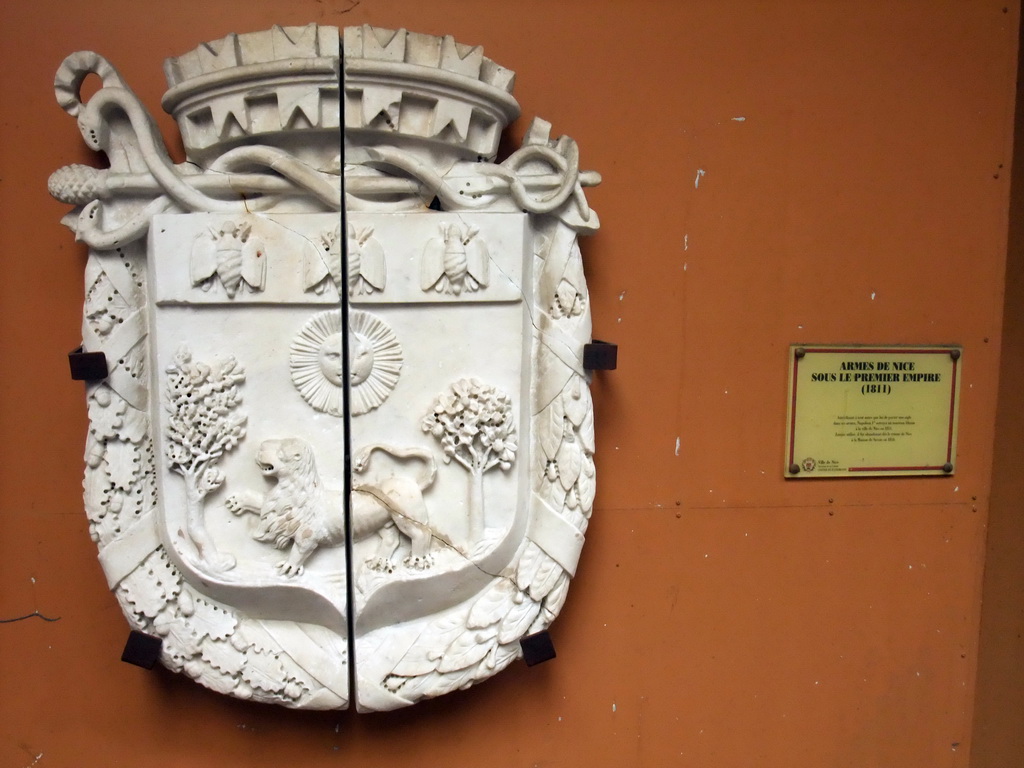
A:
393, 503
299, 510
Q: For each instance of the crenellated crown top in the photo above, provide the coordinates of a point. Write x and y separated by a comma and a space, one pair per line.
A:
428, 90
441, 53
270, 86
284, 45
277, 86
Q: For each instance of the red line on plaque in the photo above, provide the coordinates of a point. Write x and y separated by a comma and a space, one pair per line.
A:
952, 411
792, 412
891, 469
873, 350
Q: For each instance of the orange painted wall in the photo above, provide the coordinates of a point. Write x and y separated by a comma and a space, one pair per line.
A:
721, 616
998, 738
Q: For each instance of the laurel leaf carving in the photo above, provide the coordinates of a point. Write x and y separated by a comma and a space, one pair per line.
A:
467, 649
517, 621
528, 564
422, 657
586, 426
570, 463
586, 486
492, 605
545, 578
550, 428
577, 403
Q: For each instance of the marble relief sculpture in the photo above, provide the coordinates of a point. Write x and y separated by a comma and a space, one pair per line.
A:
231, 253
342, 267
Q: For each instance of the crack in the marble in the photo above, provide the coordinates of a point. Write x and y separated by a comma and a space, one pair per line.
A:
381, 497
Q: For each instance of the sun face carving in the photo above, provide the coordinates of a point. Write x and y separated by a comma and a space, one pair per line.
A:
316, 363
360, 360
375, 362
331, 365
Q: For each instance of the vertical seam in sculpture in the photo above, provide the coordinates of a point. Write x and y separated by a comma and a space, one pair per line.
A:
346, 392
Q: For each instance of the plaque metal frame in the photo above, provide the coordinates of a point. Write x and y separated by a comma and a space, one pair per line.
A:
861, 410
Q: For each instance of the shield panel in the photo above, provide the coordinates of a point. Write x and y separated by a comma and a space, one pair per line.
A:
250, 463
445, 457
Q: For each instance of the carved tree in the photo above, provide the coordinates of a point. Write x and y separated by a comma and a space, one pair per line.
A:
201, 427
473, 422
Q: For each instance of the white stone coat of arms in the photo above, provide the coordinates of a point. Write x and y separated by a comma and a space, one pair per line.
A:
343, 451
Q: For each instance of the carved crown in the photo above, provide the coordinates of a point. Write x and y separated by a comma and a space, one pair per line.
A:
273, 84
425, 89
282, 84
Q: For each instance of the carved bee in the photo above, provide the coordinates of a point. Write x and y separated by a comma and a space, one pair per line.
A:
321, 263
454, 262
366, 271
366, 267
232, 253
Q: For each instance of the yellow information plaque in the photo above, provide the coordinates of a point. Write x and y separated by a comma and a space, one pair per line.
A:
857, 411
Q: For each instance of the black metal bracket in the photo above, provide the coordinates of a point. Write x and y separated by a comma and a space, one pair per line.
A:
537, 648
142, 650
87, 366
600, 356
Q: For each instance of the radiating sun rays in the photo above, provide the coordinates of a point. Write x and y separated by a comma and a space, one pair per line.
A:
375, 362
